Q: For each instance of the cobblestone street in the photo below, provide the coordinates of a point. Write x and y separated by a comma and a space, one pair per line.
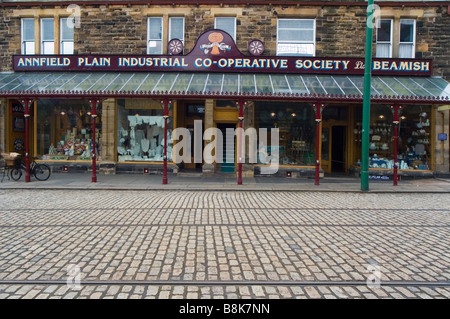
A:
204, 244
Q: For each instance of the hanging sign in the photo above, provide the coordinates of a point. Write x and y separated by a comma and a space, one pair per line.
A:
216, 51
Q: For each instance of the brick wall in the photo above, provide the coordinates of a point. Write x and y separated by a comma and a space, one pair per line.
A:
340, 30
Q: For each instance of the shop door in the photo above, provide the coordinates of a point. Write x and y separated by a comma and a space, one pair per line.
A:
334, 137
193, 111
16, 139
229, 147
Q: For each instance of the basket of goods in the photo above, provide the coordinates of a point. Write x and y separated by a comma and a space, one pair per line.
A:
11, 159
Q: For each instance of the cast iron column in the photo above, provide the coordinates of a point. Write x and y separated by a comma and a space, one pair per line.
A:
318, 107
26, 105
366, 99
240, 104
94, 104
395, 109
166, 104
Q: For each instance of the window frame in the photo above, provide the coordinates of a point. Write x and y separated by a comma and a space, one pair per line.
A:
391, 42
234, 25
41, 30
148, 35
23, 42
413, 43
62, 40
297, 41
170, 29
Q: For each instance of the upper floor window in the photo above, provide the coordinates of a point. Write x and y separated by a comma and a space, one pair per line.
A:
296, 37
404, 31
407, 39
47, 36
384, 39
27, 32
176, 28
155, 33
66, 36
227, 24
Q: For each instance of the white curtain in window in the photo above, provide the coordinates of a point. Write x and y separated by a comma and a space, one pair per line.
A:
405, 51
383, 50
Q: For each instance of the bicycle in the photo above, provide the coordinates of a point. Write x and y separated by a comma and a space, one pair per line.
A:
40, 171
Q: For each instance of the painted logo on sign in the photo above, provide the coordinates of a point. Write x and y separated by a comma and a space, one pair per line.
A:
216, 45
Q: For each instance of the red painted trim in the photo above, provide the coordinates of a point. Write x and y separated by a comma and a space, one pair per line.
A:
231, 2
165, 103
94, 103
26, 104
240, 105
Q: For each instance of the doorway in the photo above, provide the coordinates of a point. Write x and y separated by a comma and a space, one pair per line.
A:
334, 147
229, 146
189, 113
338, 139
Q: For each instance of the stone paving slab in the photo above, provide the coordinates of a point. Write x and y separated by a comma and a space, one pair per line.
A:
219, 183
218, 292
224, 237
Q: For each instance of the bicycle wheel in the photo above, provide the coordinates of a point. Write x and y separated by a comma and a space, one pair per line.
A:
16, 173
41, 172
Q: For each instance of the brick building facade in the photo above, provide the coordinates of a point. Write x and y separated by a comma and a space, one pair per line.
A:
328, 29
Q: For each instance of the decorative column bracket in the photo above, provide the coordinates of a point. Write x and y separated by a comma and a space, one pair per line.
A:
166, 104
241, 104
318, 108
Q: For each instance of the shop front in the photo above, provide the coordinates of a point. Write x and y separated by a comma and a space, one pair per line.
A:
132, 114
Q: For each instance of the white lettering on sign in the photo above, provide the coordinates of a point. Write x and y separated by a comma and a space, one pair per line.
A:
41, 62
322, 64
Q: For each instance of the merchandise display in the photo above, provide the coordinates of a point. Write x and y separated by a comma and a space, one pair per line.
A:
65, 131
414, 139
140, 135
296, 125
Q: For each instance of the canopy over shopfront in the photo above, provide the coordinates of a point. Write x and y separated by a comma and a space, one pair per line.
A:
309, 87
215, 69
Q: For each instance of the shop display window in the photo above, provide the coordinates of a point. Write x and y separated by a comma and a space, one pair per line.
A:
64, 130
140, 131
414, 137
296, 130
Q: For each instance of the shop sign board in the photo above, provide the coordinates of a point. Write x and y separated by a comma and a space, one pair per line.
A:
442, 137
216, 51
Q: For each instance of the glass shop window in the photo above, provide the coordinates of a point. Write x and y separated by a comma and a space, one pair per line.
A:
64, 130
414, 137
140, 131
296, 37
296, 131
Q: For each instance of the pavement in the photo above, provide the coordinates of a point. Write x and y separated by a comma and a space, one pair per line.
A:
207, 237
225, 182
